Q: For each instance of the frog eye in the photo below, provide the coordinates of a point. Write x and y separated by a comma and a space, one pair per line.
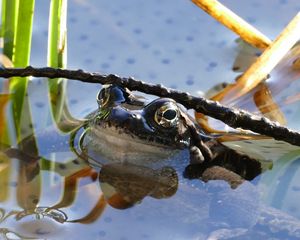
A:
167, 115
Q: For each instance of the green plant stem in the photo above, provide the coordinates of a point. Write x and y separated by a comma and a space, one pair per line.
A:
21, 57
57, 34
3, 10
9, 18
57, 53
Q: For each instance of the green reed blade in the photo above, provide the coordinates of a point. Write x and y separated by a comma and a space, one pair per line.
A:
57, 57
9, 18
57, 53
3, 10
23, 31
21, 58
57, 34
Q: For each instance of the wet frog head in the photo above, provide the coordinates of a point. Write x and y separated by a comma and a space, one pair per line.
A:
127, 128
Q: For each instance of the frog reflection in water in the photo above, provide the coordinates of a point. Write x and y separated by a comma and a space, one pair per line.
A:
125, 129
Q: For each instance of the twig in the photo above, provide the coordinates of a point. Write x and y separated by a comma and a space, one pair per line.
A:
232, 117
236, 24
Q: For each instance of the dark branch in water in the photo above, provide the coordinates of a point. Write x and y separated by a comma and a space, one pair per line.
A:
233, 117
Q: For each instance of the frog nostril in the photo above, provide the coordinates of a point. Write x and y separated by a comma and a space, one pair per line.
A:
136, 116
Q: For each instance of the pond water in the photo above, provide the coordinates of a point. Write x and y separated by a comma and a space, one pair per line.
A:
49, 192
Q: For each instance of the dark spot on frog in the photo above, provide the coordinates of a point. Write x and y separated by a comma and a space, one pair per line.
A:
75, 161
62, 166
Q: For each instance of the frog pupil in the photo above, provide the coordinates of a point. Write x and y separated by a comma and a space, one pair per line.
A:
170, 114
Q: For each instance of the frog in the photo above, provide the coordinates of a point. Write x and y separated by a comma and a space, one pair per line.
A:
127, 128
130, 129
